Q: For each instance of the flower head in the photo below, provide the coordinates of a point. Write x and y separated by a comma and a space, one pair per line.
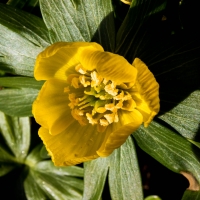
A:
91, 101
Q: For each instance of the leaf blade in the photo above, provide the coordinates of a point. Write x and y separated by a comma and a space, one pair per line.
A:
16, 132
95, 173
124, 168
168, 148
80, 20
23, 37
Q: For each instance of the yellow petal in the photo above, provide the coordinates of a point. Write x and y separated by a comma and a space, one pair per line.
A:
74, 145
117, 133
51, 109
147, 95
59, 59
110, 66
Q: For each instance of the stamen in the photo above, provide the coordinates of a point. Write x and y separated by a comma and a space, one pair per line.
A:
73, 100
84, 81
111, 107
120, 96
66, 89
95, 99
105, 81
101, 110
96, 79
88, 99
79, 68
110, 89
90, 119
75, 82
104, 122
110, 117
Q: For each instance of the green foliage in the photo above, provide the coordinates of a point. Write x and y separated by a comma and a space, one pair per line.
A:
172, 56
80, 21
194, 195
16, 134
23, 37
153, 197
123, 175
170, 149
95, 173
185, 116
50, 181
23, 4
41, 179
18, 94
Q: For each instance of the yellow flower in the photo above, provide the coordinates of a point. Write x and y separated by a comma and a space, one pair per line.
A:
127, 1
91, 101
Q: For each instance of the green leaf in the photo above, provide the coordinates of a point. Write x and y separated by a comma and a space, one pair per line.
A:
185, 116
124, 175
23, 4
32, 189
188, 195
7, 161
48, 167
18, 94
5, 157
59, 187
95, 173
17, 102
20, 82
23, 37
134, 26
170, 149
16, 132
153, 197
78, 20
5, 168
34, 156
195, 143
50, 181
44, 153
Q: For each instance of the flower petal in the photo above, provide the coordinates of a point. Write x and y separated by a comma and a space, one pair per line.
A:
147, 95
74, 145
51, 109
56, 60
116, 134
110, 66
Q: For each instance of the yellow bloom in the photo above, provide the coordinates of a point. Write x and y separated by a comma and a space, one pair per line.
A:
127, 1
91, 101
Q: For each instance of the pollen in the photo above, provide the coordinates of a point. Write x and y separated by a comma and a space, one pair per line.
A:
96, 100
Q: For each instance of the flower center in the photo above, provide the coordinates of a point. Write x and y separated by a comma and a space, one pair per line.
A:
96, 100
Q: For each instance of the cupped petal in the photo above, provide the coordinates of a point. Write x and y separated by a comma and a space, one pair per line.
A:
117, 133
57, 60
147, 92
51, 109
110, 66
74, 145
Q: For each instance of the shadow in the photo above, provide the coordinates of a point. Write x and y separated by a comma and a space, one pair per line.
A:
12, 185
159, 180
168, 42
170, 52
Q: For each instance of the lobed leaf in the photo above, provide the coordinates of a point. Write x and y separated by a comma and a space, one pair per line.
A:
95, 173
80, 20
20, 82
124, 174
16, 132
184, 117
17, 102
188, 195
171, 150
23, 37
